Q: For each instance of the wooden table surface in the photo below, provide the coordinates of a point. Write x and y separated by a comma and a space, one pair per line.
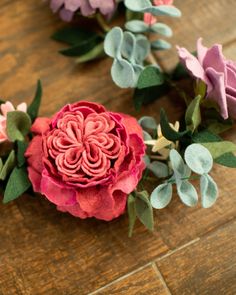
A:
43, 251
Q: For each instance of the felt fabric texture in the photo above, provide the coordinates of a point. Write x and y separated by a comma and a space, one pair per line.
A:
218, 73
86, 160
67, 8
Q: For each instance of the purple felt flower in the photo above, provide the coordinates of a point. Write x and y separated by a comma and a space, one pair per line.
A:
67, 8
217, 72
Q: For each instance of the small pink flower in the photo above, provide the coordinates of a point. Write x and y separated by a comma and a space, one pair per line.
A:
86, 160
149, 18
217, 72
5, 108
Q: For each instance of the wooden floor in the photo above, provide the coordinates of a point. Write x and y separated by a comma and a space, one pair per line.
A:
42, 251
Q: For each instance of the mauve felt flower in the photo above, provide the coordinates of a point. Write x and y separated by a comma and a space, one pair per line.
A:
149, 18
218, 73
5, 108
86, 160
67, 8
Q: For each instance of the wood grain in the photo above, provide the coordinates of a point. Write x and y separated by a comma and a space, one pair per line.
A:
43, 251
206, 267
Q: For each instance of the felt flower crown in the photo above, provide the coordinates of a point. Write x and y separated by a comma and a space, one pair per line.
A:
91, 162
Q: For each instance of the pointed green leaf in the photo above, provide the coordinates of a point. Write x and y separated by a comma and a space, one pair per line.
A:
209, 190
33, 109
8, 165
131, 213
18, 125
218, 149
21, 148
144, 209
161, 196
150, 76
17, 184
193, 114
96, 52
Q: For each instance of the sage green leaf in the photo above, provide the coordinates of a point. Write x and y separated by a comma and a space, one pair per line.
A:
150, 76
161, 29
17, 184
161, 196
177, 164
122, 73
227, 159
147, 122
128, 46
18, 125
137, 26
146, 135
198, 158
160, 45
21, 149
218, 149
146, 160
217, 127
137, 71
193, 114
140, 5
144, 209
33, 109
167, 131
1, 164
206, 136
8, 165
159, 169
142, 48
113, 42
209, 191
96, 52
187, 193
131, 213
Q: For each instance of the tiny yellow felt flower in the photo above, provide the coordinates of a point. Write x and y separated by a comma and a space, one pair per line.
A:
161, 144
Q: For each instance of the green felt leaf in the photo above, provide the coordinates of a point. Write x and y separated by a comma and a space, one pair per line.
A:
113, 42
218, 149
18, 125
72, 35
147, 95
137, 26
209, 191
159, 169
167, 131
144, 209
198, 158
161, 196
1, 164
193, 114
96, 52
83, 47
17, 184
8, 165
187, 193
217, 127
33, 109
21, 148
228, 160
131, 213
148, 122
122, 73
150, 76
160, 45
161, 29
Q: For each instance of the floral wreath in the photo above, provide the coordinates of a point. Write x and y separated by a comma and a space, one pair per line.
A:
91, 162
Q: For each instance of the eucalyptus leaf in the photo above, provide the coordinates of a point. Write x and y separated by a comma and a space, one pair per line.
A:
177, 164
146, 135
33, 109
137, 26
209, 190
128, 46
131, 213
160, 45
193, 114
161, 196
122, 73
148, 122
150, 76
198, 158
113, 42
144, 209
187, 193
159, 169
8, 165
162, 29
18, 125
142, 48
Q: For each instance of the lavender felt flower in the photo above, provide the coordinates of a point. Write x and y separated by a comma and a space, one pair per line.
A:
67, 8
218, 73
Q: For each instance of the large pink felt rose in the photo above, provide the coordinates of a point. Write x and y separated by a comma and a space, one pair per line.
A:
86, 160
217, 72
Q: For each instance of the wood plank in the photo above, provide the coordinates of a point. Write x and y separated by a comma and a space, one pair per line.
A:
145, 281
206, 267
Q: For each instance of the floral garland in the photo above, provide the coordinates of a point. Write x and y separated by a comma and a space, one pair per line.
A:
91, 162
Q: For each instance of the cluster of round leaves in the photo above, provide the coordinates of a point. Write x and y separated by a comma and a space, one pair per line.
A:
198, 160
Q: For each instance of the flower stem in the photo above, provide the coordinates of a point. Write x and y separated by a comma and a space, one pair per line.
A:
102, 23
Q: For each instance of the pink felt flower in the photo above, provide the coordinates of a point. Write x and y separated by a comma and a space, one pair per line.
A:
67, 8
149, 18
86, 160
5, 108
217, 72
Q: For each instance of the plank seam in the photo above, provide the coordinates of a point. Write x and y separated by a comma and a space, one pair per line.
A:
161, 278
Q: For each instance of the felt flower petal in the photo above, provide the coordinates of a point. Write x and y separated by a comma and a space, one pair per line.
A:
201, 51
40, 126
